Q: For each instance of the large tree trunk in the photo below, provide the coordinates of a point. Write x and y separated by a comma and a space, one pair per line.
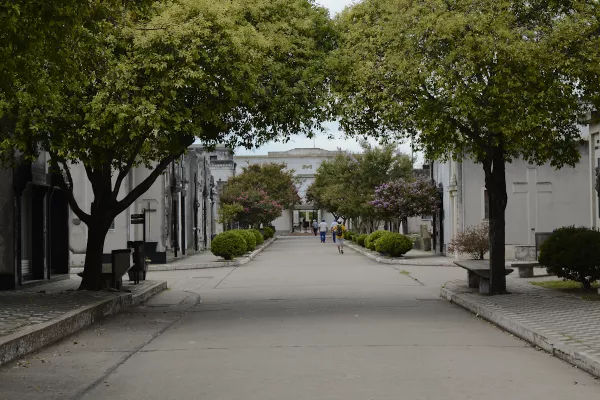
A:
92, 269
105, 206
495, 183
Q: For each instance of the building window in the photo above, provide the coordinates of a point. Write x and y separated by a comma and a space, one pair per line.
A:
486, 206
426, 217
213, 158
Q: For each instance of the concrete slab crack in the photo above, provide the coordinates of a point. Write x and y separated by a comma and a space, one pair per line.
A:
137, 350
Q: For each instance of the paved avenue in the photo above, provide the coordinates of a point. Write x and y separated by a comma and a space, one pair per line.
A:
301, 321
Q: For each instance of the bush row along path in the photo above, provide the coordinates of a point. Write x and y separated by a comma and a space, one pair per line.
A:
299, 322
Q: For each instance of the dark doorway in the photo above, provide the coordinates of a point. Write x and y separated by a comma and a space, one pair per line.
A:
183, 224
38, 232
440, 220
59, 233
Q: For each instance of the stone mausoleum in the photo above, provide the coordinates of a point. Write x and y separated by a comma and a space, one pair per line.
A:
540, 199
41, 238
180, 208
34, 230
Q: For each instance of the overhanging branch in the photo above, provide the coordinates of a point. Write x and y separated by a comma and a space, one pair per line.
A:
125, 170
67, 188
146, 183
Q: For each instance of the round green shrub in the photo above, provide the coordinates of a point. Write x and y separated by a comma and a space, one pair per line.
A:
372, 238
269, 232
348, 235
360, 239
393, 244
573, 253
249, 237
258, 236
228, 245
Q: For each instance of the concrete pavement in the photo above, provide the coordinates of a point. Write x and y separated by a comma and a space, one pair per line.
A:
560, 323
33, 317
300, 322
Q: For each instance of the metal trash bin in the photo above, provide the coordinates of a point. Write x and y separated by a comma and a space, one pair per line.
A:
120, 263
139, 269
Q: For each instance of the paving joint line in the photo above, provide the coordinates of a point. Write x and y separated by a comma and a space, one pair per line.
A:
137, 350
544, 335
335, 347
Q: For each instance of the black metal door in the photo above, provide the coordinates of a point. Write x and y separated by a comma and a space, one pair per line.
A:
58, 233
39, 244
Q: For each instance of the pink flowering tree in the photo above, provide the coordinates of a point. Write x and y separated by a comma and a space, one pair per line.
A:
263, 191
406, 198
257, 208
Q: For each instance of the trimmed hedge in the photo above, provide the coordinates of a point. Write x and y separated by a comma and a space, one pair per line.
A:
360, 239
373, 237
269, 232
393, 244
258, 236
249, 237
228, 245
573, 253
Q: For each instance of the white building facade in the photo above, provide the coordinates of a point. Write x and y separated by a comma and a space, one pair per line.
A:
594, 167
222, 167
540, 199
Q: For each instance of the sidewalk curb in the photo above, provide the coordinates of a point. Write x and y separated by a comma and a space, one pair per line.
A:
215, 264
533, 336
389, 261
35, 337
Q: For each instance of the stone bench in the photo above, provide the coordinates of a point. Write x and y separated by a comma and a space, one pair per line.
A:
525, 268
478, 273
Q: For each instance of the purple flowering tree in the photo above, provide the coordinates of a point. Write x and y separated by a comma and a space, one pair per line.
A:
403, 199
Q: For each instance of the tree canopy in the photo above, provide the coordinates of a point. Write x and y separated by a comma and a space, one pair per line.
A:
403, 198
487, 80
274, 178
257, 208
126, 84
263, 190
466, 76
345, 185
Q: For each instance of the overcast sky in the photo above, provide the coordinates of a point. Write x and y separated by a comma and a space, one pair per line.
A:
321, 141
335, 6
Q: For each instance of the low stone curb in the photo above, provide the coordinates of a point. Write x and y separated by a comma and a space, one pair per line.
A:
394, 261
534, 336
35, 337
213, 264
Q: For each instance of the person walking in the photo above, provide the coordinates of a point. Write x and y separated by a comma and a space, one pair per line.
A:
333, 225
339, 232
315, 226
323, 230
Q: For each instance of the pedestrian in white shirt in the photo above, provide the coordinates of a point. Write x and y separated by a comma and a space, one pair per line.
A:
323, 230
